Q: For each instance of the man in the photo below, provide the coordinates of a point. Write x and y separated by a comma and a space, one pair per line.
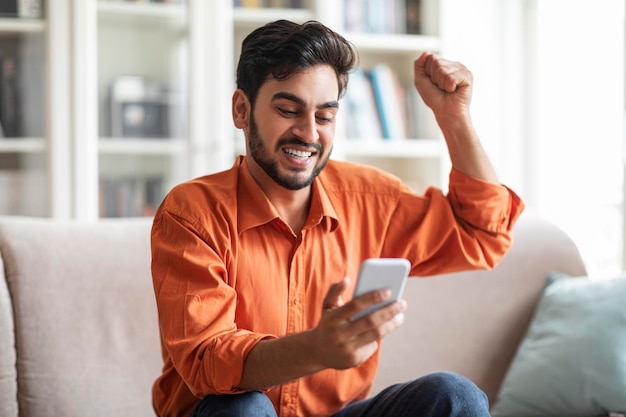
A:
254, 267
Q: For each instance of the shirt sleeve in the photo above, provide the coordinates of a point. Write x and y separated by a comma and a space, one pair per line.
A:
469, 228
196, 307
491, 207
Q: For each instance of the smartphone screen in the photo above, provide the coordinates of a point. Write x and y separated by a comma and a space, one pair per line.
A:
381, 273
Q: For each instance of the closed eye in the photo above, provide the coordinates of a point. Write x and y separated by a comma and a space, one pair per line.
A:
325, 119
288, 113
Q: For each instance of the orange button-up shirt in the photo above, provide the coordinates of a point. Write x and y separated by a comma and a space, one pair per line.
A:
229, 272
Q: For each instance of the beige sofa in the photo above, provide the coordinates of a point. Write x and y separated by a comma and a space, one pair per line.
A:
78, 328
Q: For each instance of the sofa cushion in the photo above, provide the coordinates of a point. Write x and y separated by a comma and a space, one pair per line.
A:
8, 373
85, 317
572, 360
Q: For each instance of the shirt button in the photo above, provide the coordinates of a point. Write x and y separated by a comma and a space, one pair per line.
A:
297, 301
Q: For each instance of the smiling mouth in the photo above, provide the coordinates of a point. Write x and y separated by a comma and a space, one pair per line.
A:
298, 154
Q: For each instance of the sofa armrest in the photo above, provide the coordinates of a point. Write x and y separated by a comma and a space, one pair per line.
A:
8, 373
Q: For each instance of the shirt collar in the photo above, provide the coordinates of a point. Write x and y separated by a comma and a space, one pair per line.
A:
255, 209
322, 209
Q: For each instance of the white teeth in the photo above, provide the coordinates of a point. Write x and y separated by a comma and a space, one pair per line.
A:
299, 154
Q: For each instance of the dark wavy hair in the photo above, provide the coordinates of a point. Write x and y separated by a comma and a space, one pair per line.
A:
282, 48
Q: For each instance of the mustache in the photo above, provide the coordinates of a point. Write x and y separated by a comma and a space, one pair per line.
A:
298, 142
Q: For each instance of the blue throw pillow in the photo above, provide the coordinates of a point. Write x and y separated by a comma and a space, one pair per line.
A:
572, 361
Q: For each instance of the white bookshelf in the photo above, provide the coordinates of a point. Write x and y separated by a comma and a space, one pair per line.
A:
34, 179
192, 46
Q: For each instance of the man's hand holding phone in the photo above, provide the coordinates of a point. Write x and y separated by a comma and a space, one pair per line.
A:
348, 332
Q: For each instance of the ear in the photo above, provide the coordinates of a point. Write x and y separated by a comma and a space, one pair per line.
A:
241, 109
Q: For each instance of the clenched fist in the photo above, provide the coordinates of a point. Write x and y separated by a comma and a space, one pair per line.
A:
445, 86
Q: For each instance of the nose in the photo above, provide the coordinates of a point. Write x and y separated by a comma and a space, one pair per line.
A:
306, 128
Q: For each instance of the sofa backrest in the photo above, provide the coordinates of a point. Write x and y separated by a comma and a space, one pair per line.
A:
86, 333
85, 323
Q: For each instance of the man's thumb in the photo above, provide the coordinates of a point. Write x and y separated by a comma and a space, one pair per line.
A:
334, 296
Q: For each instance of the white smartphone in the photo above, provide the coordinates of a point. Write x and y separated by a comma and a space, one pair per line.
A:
381, 273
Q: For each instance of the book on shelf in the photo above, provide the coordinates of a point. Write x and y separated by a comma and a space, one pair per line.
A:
421, 122
389, 96
283, 4
143, 1
362, 113
130, 196
10, 117
25, 9
413, 17
379, 107
383, 16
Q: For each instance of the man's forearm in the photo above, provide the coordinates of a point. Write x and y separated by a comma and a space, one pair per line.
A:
274, 362
466, 151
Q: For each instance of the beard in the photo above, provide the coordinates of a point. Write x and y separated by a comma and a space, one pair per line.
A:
291, 181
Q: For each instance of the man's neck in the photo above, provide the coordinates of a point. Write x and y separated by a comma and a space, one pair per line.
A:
294, 211
292, 205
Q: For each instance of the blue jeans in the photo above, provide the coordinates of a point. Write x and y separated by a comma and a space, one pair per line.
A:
441, 394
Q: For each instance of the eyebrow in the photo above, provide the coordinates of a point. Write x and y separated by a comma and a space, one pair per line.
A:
298, 100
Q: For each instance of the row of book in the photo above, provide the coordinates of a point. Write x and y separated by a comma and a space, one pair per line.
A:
383, 16
119, 197
10, 106
130, 196
143, 1
380, 107
14, 74
25, 9
370, 16
285, 4
22, 87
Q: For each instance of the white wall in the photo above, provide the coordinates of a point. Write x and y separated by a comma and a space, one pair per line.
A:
548, 104
488, 37
577, 113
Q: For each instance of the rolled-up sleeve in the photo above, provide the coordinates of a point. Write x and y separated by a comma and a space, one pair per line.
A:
491, 207
196, 308
469, 228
